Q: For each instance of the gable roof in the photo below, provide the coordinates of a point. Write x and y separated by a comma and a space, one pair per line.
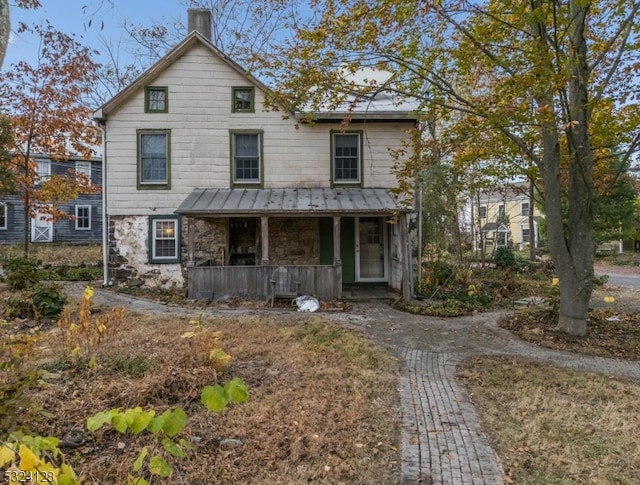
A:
146, 78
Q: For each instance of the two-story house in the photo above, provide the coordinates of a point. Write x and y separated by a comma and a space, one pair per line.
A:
84, 222
504, 214
206, 188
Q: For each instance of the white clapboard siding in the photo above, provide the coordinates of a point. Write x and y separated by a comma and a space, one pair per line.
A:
199, 96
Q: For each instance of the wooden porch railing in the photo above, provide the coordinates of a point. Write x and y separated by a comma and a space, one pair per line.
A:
213, 282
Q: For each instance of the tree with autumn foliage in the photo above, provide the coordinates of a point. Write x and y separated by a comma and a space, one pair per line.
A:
44, 104
553, 82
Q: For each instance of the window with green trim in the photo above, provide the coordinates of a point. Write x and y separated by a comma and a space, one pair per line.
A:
154, 167
156, 99
346, 158
164, 239
3, 215
243, 100
246, 157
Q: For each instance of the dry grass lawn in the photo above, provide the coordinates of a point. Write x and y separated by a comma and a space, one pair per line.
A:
322, 404
557, 426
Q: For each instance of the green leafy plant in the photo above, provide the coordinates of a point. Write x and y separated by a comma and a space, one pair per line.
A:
22, 273
49, 300
504, 257
155, 458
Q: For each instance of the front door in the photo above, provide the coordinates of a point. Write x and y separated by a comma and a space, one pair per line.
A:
41, 228
371, 257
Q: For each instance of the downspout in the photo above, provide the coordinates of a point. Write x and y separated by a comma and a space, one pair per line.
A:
105, 222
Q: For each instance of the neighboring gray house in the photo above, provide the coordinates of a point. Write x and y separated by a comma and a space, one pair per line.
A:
206, 189
85, 225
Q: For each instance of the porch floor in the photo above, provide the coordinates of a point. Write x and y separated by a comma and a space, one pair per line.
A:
368, 293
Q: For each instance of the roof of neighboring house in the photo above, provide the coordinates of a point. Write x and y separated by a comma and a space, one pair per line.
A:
287, 202
494, 226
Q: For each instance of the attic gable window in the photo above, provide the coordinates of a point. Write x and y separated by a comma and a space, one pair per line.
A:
156, 99
243, 100
154, 164
346, 158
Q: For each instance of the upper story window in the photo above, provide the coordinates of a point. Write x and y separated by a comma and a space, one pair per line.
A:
346, 158
83, 217
483, 212
84, 168
43, 169
524, 209
246, 157
243, 100
3, 215
154, 164
501, 210
164, 240
156, 99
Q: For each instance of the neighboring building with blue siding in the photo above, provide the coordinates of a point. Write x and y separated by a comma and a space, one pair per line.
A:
85, 227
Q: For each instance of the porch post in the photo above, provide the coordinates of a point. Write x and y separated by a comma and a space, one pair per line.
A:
406, 276
191, 242
337, 260
264, 238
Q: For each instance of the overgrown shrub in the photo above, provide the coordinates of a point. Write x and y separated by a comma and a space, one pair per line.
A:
22, 273
504, 258
49, 300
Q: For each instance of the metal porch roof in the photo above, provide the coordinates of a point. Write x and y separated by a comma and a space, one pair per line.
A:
289, 201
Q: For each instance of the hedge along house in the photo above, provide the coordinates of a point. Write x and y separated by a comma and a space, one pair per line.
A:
205, 188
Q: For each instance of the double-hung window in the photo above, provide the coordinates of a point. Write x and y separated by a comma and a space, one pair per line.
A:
526, 235
154, 159
483, 212
84, 168
43, 170
347, 158
156, 99
3, 215
243, 100
83, 217
524, 209
246, 157
164, 240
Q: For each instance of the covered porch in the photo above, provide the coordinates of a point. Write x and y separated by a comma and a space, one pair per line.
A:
321, 238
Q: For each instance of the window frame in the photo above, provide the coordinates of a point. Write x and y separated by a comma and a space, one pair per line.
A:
524, 240
43, 175
147, 99
502, 210
4, 215
347, 182
255, 183
524, 209
153, 239
482, 210
79, 218
83, 167
252, 99
153, 185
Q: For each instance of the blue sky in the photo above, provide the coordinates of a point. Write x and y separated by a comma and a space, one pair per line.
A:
69, 17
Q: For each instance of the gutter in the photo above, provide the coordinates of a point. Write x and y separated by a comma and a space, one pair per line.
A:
105, 222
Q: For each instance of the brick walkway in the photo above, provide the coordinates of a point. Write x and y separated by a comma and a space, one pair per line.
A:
442, 442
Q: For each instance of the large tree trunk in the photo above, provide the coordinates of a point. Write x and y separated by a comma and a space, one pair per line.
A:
571, 240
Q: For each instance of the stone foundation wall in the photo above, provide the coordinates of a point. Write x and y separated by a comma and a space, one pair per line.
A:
210, 241
294, 241
128, 256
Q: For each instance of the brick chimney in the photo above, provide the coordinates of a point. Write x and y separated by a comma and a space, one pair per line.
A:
199, 19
